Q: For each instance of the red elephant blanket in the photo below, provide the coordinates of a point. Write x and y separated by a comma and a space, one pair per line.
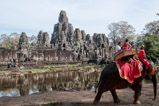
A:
129, 70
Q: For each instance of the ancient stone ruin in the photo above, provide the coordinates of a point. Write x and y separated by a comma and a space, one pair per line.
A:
43, 39
64, 37
23, 42
63, 34
66, 45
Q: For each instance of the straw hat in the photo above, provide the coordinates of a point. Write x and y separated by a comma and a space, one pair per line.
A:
142, 46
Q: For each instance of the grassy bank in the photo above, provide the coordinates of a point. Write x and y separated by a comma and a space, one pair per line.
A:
32, 70
75, 66
59, 67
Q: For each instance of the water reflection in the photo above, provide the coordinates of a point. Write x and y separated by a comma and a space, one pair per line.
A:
25, 84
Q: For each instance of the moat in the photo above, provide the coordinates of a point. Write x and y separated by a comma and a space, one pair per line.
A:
28, 83
25, 84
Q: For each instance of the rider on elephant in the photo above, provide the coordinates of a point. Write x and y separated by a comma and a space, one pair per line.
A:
126, 45
142, 56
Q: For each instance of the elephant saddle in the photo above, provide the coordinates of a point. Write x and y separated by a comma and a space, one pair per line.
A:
125, 53
129, 70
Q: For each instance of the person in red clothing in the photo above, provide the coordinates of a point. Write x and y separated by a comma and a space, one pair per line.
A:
126, 45
142, 56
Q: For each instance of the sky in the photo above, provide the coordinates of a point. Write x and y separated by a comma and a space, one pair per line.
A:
93, 16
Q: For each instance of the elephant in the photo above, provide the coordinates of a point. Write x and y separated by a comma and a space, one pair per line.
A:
110, 80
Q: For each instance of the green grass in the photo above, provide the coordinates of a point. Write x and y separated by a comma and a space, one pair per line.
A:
87, 67
3, 71
59, 67
75, 66
64, 65
71, 65
52, 104
90, 66
27, 70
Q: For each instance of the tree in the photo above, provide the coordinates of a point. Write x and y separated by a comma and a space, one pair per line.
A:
152, 27
139, 41
32, 40
150, 39
121, 31
9, 41
151, 43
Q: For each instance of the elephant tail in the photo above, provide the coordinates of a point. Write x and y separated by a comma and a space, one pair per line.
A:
97, 86
100, 80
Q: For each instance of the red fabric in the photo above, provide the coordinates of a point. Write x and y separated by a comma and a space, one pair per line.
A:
125, 46
128, 70
141, 55
145, 62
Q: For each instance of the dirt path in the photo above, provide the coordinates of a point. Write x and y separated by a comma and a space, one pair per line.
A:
80, 98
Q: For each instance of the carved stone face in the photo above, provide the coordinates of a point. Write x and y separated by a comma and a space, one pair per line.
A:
63, 17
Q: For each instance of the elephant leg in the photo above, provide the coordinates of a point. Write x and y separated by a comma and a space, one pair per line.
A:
115, 96
154, 81
137, 89
134, 88
97, 98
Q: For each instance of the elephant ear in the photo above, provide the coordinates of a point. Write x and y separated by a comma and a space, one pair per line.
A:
150, 70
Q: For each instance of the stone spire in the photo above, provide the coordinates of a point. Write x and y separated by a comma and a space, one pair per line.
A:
63, 17
63, 32
83, 35
46, 39
23, 42
43, 39
77, 35
40, 37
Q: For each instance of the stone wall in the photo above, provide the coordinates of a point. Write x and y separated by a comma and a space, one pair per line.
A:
52, 56
6, 55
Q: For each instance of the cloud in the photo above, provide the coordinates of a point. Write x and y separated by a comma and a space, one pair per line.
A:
31, 16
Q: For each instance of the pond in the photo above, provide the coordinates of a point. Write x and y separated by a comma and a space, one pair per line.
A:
25, 84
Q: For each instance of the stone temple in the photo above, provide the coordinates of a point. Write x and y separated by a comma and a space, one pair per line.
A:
67, 45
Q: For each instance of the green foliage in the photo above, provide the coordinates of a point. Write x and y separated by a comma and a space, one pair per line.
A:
9, 41
152, 46
151, 42
139, 41
12, 40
